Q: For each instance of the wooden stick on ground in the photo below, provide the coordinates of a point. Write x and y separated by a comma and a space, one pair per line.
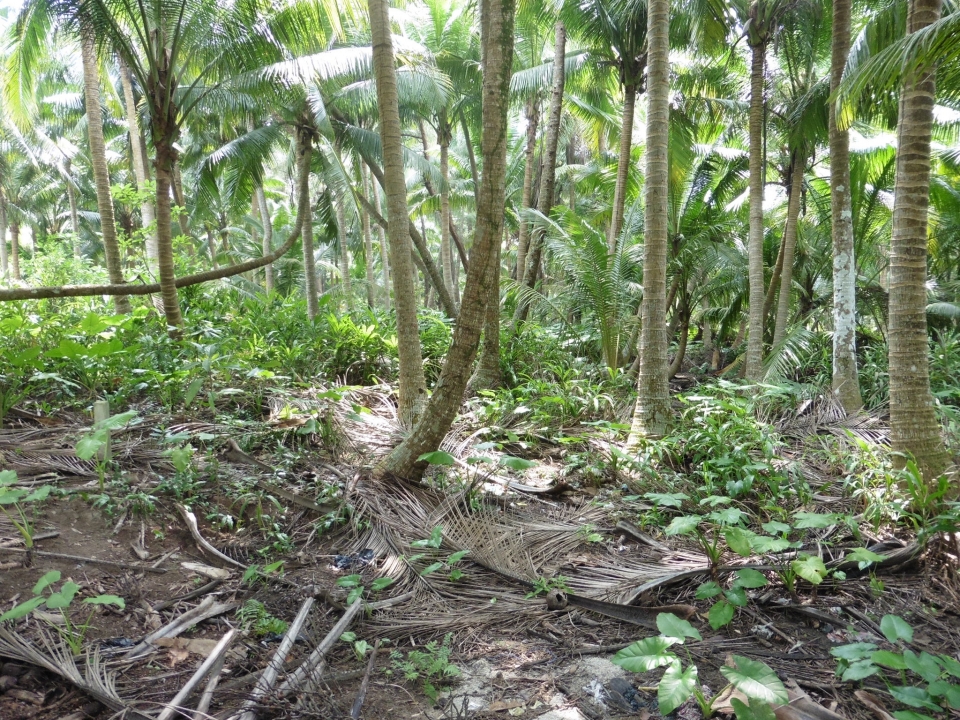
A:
312, 668
269, 677
210, 586
206, 609
201, 712
78, 558
365, 683
191, 521
218, 653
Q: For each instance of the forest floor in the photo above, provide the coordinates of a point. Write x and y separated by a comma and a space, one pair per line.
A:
489, 650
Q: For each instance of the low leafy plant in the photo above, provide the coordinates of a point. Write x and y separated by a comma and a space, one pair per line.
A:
253, 616
431, 665
24, 504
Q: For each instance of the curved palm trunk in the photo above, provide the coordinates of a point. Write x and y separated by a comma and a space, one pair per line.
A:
846, 383
15, 251
345, 280
98, 161
549, 173
789, 246
367, 243
523, 240
913, 422
496, 21
754, 359
266, 223
148, 215
623, 166
412, 393
652, 411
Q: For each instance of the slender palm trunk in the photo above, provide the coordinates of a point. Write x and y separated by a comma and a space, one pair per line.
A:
496, 22
148, 215
168, 288
304, 155
98, 161
623, 166
549, 173
346, 285
15, 251
446, 247
652, 411
846, 383
74, 217
3, 240
412, 393
533, 121
488, 376
913, 421
367, 243
384, 250
789, 245
754, 359
267, 223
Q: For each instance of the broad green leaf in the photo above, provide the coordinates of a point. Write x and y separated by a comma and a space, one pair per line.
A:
738, 540
683, 525
925, 665
676, 686
853, 651
895, 628
714, 500
727, 516
457, 556
756, 710
864, 557
348, 581
431, 568
647, 654
670, 625
381, 583
755, 679
251, 573
667, 499
750, 578
23, 609
910, 715
765, 544
776, 528
115, 422
191, 392
515, 463
720, 614
7, 477
950, 665
736, 595
88, 446
708, 590
889, 659
438, 457
354, 594
914, 697
47, 580
859, 670
348, 636
808, 520
63, 598
106, 600
40, 494
810, 568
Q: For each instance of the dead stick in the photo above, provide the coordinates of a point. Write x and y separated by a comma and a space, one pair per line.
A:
77, 558
364, 684
269, 677
201, 712
312, 667
220, 650
39, 536
206, 609
191, 520
163, 605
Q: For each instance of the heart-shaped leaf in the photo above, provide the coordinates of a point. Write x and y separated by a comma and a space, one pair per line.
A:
670, 625
647, 654
676, 687
755, 679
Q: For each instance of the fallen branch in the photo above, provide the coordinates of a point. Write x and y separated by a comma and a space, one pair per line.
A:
164, 604
312, 668
201, 712
78, 558
365, 683
218, 652
191, 521
206, 609
269, 677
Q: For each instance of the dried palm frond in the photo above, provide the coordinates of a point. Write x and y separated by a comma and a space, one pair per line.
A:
825, 415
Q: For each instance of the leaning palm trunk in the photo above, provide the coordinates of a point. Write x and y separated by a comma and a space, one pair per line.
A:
98, 161
148, 215
496, 22
846, 384
523, 238
754, 359
652, 411
623, 166
412, 391
913, 421
549, 174
267, 224
789, 245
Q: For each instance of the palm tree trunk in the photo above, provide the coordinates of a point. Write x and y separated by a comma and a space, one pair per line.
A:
623, 166
682, 339
652, 411
384, 250
15, 251
789, 245
346, 285
74, 218
181, 201
148, 215
446, 248
754, 359
533, 121
98, 161
913, 421
412, 393
367, 243
488, 376
3, 240
266, 222
497, 38
168, 287
846, 383
304, 155
549, 172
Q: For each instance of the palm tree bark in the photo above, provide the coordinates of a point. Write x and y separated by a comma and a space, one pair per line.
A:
754, 359
266, 222
346, 286
15, 251
846, 383
446, 249
304, 144
412, 393
623, 166
74, 218
533, 121
98, 160
497, 39
384, 250
789, 245
3, 239
652, 411
148, 213
367, 244
488, 376
549, 173
913, 421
